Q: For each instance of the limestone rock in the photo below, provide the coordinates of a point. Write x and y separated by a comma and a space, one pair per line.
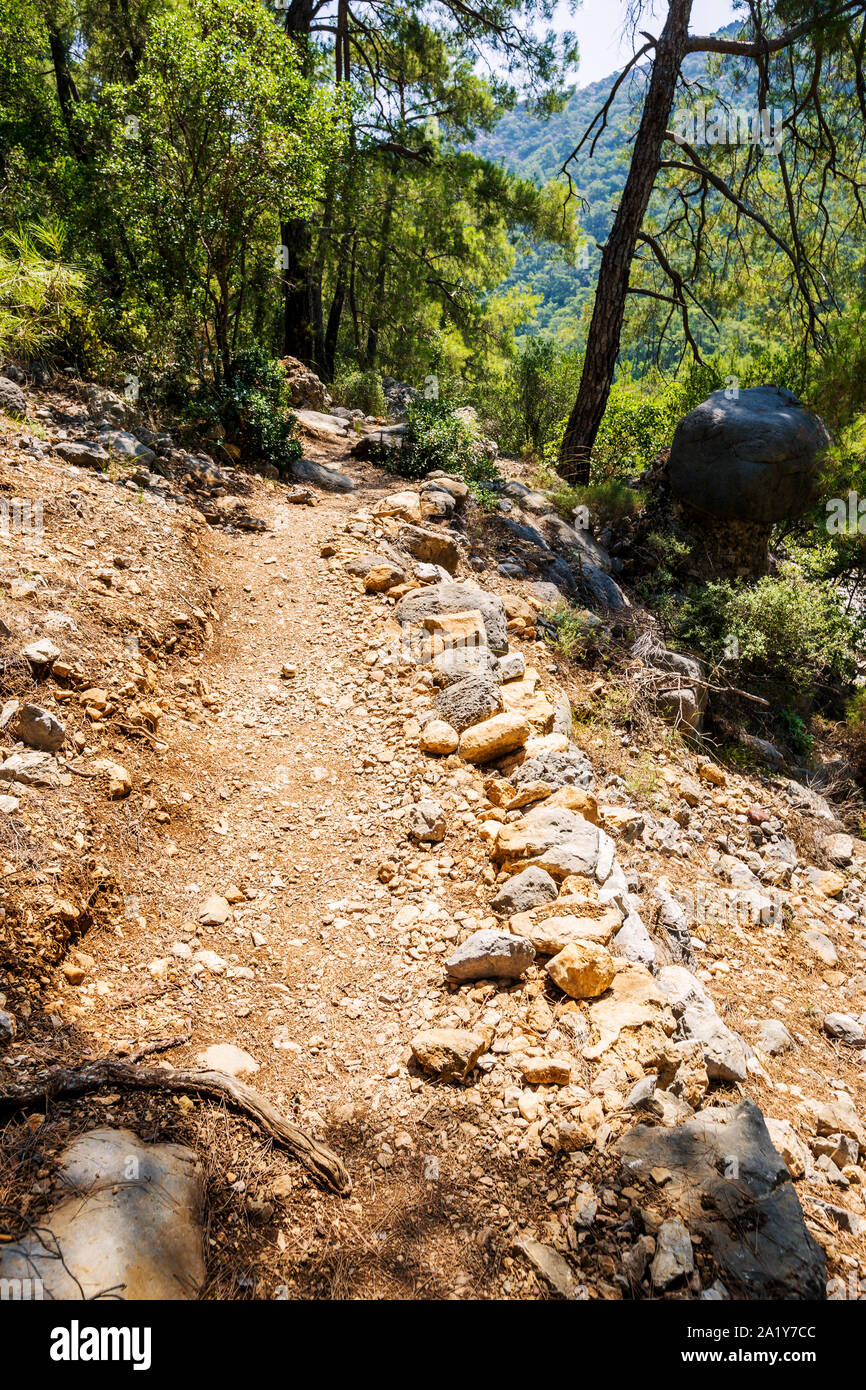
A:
214, 911
571, 768
12, 399
527, 889
129, 1229
119, 780
774, 1038
450, 1053
490, 954
724, 1178
228, 1058
552, 1266
845, 1028
752, 458
673, 1257
457, 598
426, 821
438, 737
789, 1144
330, 479
583, 970
41, 729
469, 701
555, 839
493, 738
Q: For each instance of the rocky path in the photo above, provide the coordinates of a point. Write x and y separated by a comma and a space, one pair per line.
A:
305, 848
265, 927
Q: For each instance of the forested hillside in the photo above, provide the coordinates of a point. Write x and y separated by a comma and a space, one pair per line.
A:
537, 149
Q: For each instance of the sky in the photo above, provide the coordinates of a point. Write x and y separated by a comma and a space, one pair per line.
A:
604, 48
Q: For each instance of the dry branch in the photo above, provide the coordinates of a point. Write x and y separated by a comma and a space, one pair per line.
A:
65, 1083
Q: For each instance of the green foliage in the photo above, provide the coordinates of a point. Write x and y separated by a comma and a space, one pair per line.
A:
434, 439
361, 391
218, 135
789, 631
438, 440
573, 630
40, 293
254, 405
796, 731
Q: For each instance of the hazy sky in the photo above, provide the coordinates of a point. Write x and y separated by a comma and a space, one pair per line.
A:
599, 28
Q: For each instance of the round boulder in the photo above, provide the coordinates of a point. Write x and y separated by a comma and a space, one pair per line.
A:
749, 456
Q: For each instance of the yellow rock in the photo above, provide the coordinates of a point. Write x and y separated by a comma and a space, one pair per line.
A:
583, 970
463, 629
634, 1002
403, 504
618, 817
448, 1052
546, 1071
499, 791
550, 935
711, 773
828, 883
493, 737
438, 737
528, 794
576, 799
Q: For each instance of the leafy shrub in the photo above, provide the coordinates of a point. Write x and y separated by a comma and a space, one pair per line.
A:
361, 391
437, 440
39, 292
789, 629
256, 407
434, 439
569, 630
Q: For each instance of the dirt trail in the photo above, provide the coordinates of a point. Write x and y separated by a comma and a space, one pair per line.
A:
288, 792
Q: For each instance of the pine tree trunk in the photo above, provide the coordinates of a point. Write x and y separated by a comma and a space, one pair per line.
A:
602, 348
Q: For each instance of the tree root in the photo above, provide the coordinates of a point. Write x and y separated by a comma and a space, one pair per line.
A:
65, 1083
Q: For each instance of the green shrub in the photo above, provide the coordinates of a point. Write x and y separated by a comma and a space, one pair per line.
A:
570, 631
40, 293
434, 439
437, 440
361, 391
789, 629
255, 406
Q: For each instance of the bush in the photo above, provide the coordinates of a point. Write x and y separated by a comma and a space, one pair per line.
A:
40, 293
434, 439
569, 631
790, 630
255, 406
437, 440
361, 391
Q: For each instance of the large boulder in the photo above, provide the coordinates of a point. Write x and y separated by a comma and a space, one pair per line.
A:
127, 1225
310, 471
722, 1175
557, 840
751, 458
739, 463
305, 388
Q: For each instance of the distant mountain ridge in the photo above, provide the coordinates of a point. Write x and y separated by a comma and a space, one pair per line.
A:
536, 149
